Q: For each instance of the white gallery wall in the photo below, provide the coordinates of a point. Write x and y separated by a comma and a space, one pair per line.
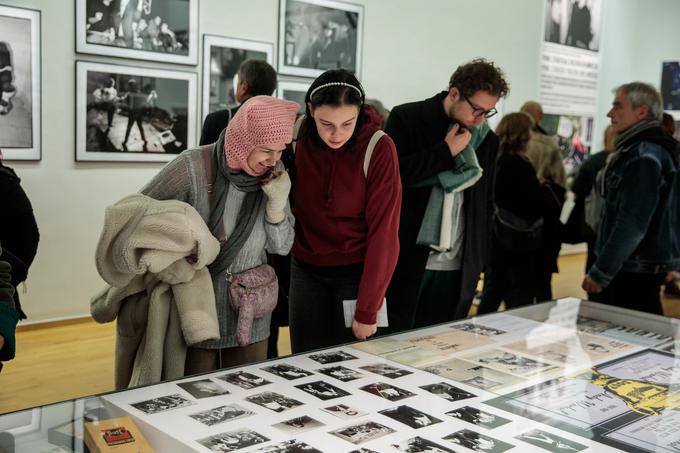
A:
410, 49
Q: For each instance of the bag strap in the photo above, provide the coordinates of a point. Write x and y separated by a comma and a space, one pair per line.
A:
377, 135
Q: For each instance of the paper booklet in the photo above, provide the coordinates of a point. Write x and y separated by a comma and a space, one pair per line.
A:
349, 306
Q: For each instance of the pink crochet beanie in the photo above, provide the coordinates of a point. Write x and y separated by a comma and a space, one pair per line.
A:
260, 121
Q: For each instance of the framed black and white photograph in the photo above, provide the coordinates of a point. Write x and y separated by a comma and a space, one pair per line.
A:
410, 416
287, 371
203, 388
157, 30
232, 440
422, 445
294, 90
222, 57
244, 380
478, 417
322, 390
133, 114
221, 414
20, 90
298, 425
317, 35
575, 23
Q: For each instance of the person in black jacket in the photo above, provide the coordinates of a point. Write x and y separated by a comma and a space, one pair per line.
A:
512, 273
254, 78
8, 314
18, 230
429, 135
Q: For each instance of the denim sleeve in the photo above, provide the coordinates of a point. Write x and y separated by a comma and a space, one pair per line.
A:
638, 199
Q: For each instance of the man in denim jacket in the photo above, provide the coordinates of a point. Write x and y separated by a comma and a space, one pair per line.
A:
638, 240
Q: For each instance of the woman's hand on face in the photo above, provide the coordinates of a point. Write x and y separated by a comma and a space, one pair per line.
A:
363, 331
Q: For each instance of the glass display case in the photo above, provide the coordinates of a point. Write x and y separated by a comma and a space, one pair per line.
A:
559, 376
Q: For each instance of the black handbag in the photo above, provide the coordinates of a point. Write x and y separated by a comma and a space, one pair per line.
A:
515, 233
576, 230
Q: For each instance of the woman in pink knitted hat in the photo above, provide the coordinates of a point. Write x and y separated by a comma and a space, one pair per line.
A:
240, 188
347, 204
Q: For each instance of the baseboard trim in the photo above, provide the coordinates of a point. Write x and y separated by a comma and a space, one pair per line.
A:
56, 322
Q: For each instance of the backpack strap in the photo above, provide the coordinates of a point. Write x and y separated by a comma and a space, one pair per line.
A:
377, 135
296, 130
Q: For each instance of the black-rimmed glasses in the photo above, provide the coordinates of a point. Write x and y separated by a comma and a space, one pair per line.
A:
477, 111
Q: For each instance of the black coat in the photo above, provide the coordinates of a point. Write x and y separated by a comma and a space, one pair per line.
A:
418, 130
214, 124
18, 230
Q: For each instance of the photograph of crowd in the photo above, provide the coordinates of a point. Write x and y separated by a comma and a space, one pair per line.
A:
163, 30
20, 83
133, 114
233, 440
222, 57
316, 35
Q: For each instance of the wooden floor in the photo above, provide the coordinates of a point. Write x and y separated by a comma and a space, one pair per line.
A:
75, 359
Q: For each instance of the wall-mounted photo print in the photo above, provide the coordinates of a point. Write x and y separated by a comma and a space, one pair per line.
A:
20, 89
159, 30
222, 57
133, 114
294, 90
317, 35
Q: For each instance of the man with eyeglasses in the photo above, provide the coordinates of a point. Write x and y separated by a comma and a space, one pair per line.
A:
446, 152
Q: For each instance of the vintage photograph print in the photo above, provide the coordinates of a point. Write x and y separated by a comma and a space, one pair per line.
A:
478, 442
287, 371
549, 441
386, 370
410, 416
447, 391
331, 357
20, 106
362, 432
233, 440
156, 30
273, 401
344, 411
289, 446
341, 373
221, 414
387, 391
298, 425
133, 114
161, 404
203, 388
244, 380
421, 445
322, 390
294, 90
478, 417
317, 35
222, 57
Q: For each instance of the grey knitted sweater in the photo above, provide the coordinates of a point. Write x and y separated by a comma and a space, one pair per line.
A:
186, 179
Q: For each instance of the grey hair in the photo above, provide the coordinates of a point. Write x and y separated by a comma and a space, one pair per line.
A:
641, 93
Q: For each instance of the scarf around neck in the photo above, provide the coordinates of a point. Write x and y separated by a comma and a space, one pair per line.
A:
223, 178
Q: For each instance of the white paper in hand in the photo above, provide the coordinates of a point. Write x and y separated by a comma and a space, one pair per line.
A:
349, 306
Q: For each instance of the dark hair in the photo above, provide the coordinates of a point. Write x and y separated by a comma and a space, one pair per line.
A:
335, 96
668, 123
260, 75
514, 132
479, 75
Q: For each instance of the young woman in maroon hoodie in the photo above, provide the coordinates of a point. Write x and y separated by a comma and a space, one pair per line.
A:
346, 243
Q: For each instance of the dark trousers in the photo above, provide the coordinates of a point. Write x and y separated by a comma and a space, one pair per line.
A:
316, 313
201, 360
510, 276
635, 291
439, 292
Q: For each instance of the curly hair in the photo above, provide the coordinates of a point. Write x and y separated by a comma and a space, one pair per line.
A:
514, 132
479, 75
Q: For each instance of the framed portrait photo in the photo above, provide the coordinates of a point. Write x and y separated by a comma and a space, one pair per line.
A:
317, 35
160, 30
222, 57
294, 90
133, 114
20, 90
